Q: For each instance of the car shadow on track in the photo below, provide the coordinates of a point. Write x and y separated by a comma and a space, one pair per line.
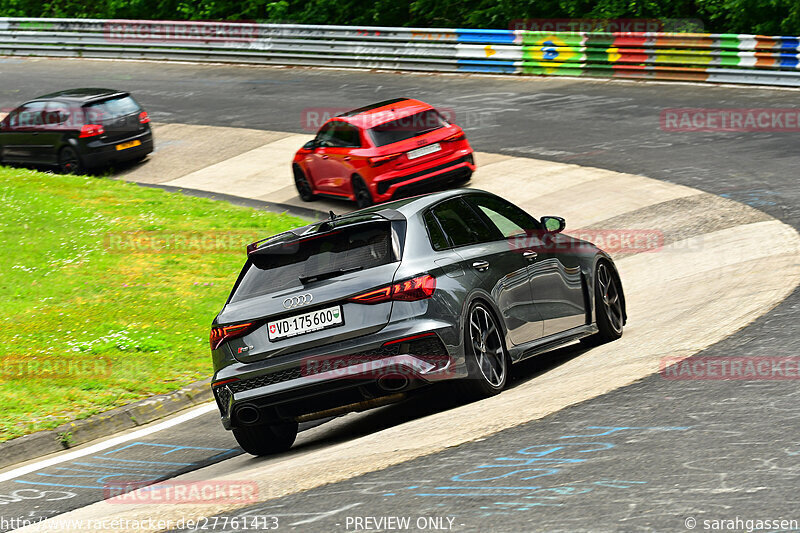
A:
428, 401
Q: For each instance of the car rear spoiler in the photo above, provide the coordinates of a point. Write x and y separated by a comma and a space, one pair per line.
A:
325, 227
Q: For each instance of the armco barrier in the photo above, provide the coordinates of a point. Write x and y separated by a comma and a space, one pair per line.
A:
722, 58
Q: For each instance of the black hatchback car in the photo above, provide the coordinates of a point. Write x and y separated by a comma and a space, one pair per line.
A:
76, 130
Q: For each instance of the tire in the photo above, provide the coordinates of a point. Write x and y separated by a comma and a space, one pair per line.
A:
361, 192
303, 186
69, 162
607, 307
266, 439
487, 359
463, 180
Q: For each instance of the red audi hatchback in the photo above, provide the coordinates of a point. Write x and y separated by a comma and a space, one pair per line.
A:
382, 152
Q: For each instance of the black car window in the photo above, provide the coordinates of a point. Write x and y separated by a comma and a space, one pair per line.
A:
407, 127
346, 136
111, 109
461, 223
339, 135
28, 116
509, 219
58, 115
282, 264
435, 233
325, 134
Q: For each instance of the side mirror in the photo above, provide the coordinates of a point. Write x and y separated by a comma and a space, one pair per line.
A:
310, 145
554, 224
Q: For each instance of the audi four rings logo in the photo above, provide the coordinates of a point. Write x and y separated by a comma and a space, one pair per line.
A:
297, 301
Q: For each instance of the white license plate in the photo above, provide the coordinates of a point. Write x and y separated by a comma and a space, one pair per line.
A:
305, 323
425, 150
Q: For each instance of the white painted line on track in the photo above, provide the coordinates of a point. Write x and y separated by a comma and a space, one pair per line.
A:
33, 467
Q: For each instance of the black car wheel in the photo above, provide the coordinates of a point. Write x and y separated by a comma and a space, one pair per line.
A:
266, 439
303, 186
607, 307
69, 162
362, 194
486, 355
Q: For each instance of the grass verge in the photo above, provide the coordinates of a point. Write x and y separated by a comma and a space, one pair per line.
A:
108, 291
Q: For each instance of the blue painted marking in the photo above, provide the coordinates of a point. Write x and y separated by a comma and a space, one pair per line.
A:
486, 65
550, 448
790, 43
149, 468
61, 484
789, 61
147, 462
174, 447
549, 51
612, 429
485, 36
515, 487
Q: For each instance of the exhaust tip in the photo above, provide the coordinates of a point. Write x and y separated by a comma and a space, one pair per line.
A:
247, 414
393, 382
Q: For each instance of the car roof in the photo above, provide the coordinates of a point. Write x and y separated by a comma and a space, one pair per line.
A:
409, 206
381, 112
81, 95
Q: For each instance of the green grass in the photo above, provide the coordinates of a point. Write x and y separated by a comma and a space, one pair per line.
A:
129, 323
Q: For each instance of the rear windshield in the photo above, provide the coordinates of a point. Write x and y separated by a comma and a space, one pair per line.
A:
407, 127
111, 109
283, 265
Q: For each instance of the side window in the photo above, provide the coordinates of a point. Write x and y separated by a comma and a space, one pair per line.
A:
435, 233
57, 116
461, 224
346, 136
325, 134
509, 219
29, 116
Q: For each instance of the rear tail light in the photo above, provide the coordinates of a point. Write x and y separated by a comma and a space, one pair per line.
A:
91, 130
455, 137
144, 118
380, 160
418, 288
221, 334
223, 382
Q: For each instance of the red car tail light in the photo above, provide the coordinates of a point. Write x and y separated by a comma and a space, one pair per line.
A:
91, 130
380, 160
223, 382
144, 118
418, 288
221, 334
455, 137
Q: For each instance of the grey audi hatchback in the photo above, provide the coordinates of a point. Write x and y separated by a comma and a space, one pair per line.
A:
359, 310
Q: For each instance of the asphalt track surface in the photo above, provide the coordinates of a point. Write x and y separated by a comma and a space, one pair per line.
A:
644, 457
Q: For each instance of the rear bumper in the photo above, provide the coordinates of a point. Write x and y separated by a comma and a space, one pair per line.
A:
342, 377
99, 154
417, 182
